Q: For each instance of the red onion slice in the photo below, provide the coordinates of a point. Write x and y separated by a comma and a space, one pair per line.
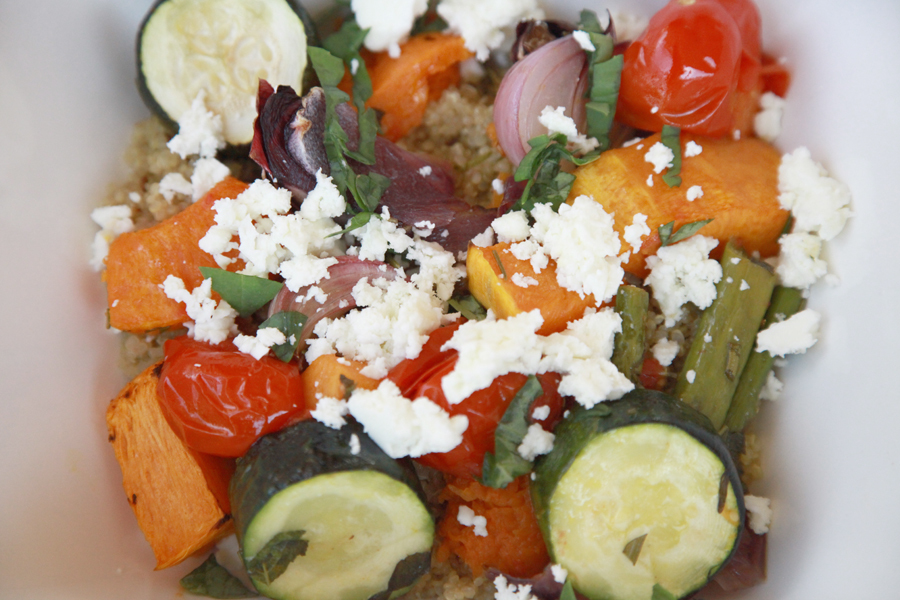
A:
554, 75
339, 291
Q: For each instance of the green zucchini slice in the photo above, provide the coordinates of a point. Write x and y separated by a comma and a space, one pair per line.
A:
317, 521
223, 47
638, 492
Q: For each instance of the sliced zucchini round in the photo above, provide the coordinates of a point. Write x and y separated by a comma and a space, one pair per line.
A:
317, 521
223, 47
639, 492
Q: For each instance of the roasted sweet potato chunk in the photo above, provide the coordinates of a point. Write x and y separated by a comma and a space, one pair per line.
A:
329, 376
738, 179
178, 496
491, 282
140, 261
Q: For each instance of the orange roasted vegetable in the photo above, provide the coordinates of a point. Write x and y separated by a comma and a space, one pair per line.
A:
739, 181
513, 543
323, 377
492, 286
402, 87
180, 497
139, 261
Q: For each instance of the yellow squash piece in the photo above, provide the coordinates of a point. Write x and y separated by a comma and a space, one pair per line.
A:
178, 496
491, 283
738, 179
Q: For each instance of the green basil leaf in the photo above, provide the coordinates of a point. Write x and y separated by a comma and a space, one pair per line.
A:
357, 221
345, 42
606, 77
666, 238
290, 323
245, 293
368, 130
468, 307
329, 68
661, 593
633, 548
275, 557
568, 591
213, 580
588, 21
505, 464
671, 139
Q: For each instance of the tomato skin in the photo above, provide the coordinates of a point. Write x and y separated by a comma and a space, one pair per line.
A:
696, 67
219, 400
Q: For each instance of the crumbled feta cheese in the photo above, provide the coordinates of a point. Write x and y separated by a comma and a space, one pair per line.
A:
199, 131
258, 346
134, 197
207, 173
654, 110
660, 156
380, 235
584, 40
423, 228
330, 411
690, 376
560, 574
425, 171
665, 351
536, 442
499, 186
736, 134
772, 388
684, 273
744, 285
692, 148
212, 322
694, 192
819, 203
794, 335
511, 591
467, 518
113, 222
556, 121
767, 122
634, 232
540, 413
174, 183
389, 21
533, 252
523, 281
650, 180
355, 446
484, 239
707, 338
402, 427
760, 513
484, 25
512, 226
798, 263
394, 50
632, 142
354, 66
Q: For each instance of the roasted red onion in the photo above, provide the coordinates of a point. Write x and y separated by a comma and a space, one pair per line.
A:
338, 289
553, 75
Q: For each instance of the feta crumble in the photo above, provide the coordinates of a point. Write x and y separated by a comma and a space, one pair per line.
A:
389, 21
665, 351
584, 40
819, 203
691, 149
523, 281
560, 574
536, 442
174, 183
511, 591
633, 233
467, 518
556, 121
660, 156
330, 411
113, 222
425, 171
540, 413
760, 513
513, 226
211, 321
772, 388
694, 192
684, 273
200, 131
767, 122
355, 446
794, 335
691, 376
485, 25
258, 345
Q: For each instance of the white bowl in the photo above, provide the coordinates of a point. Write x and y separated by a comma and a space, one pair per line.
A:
67, 101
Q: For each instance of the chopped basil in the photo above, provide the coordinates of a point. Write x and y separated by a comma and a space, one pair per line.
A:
547, 182
633, 548
505, 464
499, 264
661, 593
468, 307
370, 188
349, 386
604, 77
430, 21
568, 592
290, 323
275, 557
666, 238
329, 68
245, 293
213, 580
588, 21
671, 139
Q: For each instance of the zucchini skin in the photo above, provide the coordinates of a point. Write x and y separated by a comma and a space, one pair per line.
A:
312, 39
637, 407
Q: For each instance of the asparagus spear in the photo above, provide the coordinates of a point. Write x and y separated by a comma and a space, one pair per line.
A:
725, 335
745, 404
632, 304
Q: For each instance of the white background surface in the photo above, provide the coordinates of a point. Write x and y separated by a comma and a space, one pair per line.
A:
67, 101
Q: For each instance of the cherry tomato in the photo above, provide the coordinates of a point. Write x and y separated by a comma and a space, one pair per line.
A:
696, 67
219, 400
484, 409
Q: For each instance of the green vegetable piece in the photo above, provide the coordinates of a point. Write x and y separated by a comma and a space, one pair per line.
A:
468, 307
547, 183
505, 464
329, 68
499, 264
369, 189
745, 404
588, 21
213, 580
632, 304
275, 557
633, 548
661, 593
290, 323
568, 591
684, 232
245, 293
731, 323
606, 77
671, 139
345, 42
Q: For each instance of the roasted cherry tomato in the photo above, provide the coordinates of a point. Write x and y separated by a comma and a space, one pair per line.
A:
484, 409
219, 400
696, 67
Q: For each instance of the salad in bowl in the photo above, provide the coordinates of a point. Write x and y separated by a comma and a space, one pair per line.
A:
456, 301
